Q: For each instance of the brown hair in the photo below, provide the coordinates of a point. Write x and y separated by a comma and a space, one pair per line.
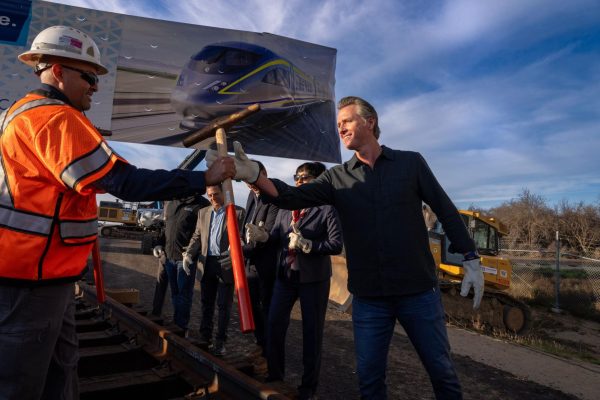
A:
365, 110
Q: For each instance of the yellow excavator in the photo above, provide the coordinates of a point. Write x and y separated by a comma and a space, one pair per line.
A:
135, 221
498, 311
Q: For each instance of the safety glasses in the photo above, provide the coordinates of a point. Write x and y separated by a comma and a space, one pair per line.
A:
89, 77
305, 177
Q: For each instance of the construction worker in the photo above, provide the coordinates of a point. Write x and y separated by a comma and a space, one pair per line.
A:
53, 162
379, 194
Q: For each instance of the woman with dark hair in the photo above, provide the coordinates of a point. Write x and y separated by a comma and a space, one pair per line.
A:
305, 240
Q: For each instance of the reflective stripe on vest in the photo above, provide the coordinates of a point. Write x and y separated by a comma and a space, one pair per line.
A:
28, 106
76, 229
86, 165
41, 224
5, 197
21, 221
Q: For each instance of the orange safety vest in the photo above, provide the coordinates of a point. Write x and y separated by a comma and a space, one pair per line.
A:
50, 153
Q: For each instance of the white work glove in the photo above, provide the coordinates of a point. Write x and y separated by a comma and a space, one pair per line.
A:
256, 233
187, 263
298, 242
158, 251
473, 277
245, 169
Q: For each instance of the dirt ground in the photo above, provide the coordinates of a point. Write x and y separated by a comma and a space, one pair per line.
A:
488, 367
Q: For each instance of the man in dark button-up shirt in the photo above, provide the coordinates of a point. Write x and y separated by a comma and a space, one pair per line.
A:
379, 195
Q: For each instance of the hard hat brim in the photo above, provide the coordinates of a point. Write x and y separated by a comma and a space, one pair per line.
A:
32, 57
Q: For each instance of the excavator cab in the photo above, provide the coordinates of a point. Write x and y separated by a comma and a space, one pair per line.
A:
486, 233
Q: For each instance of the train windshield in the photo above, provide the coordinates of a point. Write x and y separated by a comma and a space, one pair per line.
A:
223, 60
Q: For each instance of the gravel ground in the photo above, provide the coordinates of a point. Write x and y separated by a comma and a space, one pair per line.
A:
125, 267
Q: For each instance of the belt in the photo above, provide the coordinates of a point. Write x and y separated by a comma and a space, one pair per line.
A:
217, 257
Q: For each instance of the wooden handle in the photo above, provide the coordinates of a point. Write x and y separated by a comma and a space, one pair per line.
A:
223, 122
221, 138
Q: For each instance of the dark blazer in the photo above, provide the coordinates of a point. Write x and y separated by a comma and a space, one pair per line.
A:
322, 226
180, 222
261, 255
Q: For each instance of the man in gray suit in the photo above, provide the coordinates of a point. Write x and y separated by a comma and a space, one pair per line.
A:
211, 245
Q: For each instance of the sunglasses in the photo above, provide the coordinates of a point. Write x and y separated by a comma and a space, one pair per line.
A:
302, 177
89, 77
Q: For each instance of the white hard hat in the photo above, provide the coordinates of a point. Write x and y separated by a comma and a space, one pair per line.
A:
66, 42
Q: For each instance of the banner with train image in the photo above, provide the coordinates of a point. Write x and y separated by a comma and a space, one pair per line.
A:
167, 79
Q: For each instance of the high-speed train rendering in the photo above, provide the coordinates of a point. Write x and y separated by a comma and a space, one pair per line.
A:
225, 77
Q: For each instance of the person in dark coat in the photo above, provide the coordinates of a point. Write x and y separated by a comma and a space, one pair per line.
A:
180, 221
260, 261
306, 239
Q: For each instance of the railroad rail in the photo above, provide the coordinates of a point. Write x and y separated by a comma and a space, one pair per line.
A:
124, 354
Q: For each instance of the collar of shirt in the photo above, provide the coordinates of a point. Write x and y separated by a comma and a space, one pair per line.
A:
220, 211
217, 218
386, 152
52, 93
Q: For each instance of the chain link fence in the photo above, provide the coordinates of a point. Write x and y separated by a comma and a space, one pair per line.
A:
556, 278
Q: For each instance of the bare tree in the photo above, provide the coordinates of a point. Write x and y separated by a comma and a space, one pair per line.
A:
580, 226
529, 220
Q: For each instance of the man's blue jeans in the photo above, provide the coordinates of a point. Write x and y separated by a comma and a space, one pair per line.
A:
182, 290
422, 317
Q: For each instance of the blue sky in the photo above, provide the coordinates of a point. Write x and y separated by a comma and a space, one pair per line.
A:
498, 95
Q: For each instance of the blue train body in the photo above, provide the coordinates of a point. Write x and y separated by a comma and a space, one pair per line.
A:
225, 77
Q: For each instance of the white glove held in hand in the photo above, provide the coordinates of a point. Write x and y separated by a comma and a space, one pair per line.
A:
298, 242
245, 169
158, 251
256, 233
473, 277
187, 263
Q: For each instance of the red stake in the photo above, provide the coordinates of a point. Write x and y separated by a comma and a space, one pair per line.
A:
239, 272
98, 276
235, 246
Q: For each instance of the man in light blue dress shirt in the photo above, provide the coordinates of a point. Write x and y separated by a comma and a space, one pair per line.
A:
210, 243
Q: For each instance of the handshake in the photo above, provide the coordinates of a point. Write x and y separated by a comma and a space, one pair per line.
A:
245, 169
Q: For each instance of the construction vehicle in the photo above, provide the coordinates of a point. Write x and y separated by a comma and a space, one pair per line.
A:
135, 221
498, 310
